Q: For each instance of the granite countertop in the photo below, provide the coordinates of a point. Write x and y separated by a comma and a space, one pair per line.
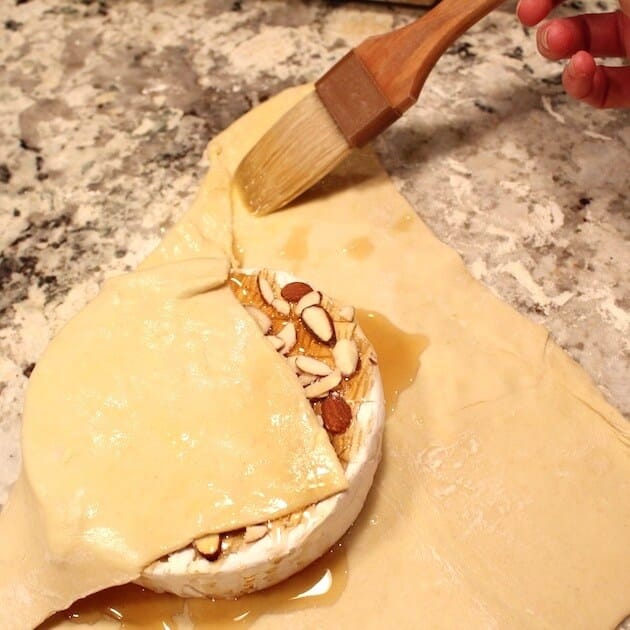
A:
106, 107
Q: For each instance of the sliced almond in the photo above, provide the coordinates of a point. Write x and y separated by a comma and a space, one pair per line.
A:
209, 546
346, 313
295, 291
310, 299
292, 361
276, 342
288, 336
322, 386
282, 306
263, 321
306, 379
312, 366
319, 324
346, 355
265, 289
254, 533
294, 519
336, 413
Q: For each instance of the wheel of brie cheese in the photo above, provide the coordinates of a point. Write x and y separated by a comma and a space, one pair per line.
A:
338, 369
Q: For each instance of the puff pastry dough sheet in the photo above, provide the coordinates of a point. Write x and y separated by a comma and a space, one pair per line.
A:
503, 500
504, 497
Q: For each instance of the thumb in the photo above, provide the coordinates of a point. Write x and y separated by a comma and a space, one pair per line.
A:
624, 5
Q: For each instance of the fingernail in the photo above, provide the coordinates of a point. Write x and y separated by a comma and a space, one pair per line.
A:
573, 71
543, 37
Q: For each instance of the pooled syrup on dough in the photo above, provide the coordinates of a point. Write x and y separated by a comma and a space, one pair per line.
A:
398, 353
296, 246
359, 248
319, 585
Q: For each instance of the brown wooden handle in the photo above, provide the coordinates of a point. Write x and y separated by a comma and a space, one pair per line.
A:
401, 61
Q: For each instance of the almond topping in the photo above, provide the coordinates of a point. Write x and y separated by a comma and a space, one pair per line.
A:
254, 533
306, 379
319, 324
209, 546
310, 299
295, 291
288, 336
292, 361
321, 387
336, 413
312, 366
282, 306
265, 289
346, 355
346, 313
295, 519
276, 342
263, 321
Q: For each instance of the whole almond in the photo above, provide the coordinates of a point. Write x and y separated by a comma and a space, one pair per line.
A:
319, 324
336, 413
295, 291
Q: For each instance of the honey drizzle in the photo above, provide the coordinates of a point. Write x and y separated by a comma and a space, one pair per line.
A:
359, 248
318, 585
398, 353
404, 223
296, 246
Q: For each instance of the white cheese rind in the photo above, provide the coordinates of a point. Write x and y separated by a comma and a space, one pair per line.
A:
285, 550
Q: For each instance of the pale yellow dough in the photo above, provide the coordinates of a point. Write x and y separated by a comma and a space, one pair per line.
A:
158, 414
504, 497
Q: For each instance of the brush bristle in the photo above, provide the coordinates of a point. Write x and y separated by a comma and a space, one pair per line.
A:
302, 147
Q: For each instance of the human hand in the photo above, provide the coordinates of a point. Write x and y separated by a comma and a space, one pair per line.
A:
581, 38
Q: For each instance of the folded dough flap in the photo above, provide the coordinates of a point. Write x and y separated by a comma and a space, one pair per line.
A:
158, 414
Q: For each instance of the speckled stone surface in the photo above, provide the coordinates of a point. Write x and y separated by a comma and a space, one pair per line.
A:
105, 108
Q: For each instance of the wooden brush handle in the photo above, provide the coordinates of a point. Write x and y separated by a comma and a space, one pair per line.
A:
401, 61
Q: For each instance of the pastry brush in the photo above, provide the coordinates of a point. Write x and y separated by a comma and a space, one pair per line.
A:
357, 99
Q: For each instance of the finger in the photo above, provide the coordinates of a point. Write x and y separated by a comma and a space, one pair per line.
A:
531, 12
601, 34
599, 86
